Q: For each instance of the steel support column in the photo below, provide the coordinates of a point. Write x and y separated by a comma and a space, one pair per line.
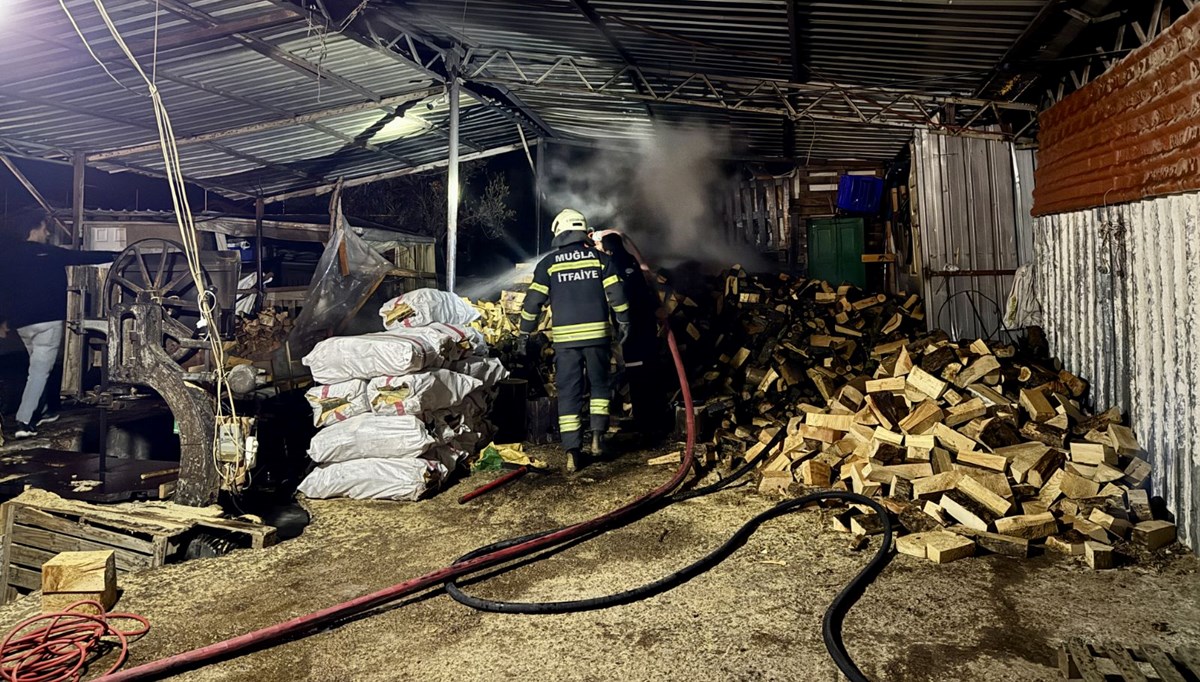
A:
259, 285
452, 189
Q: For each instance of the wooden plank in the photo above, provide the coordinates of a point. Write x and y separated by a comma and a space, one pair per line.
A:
7, 549
54, 542
24, 578
33, 517
30, 557
1162, 664
1120, 657
1082, 658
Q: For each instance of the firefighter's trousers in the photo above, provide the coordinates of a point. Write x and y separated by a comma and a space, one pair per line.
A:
575, 370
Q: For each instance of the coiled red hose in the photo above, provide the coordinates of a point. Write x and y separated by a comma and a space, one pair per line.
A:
55, 647
306, 623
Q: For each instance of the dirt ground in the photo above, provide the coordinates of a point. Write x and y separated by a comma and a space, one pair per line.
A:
757, 616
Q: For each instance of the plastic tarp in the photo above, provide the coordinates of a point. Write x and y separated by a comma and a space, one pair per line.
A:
347, 274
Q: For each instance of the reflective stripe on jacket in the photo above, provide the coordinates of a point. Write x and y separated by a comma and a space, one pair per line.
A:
580, 284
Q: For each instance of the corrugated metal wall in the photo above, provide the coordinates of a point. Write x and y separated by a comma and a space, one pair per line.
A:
969, 216
1132, 133
1120, 290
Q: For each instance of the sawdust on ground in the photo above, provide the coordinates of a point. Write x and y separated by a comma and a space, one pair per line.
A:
757, 616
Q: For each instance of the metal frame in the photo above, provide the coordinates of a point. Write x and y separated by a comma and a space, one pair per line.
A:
1098, 64
569, 75
210, 28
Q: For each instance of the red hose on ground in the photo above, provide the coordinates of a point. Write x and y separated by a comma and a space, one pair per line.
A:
337, 612
59, 649
488, 487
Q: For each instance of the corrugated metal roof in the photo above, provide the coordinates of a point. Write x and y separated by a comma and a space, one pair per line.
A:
215, 79
228, 64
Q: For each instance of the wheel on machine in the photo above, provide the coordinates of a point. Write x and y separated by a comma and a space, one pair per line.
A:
156, 271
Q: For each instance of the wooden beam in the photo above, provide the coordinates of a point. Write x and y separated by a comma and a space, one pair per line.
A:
37, 196
78, 167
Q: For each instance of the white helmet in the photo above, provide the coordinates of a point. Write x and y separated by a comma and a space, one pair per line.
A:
567, 220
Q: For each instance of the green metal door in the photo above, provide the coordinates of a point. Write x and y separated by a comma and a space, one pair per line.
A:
835, 248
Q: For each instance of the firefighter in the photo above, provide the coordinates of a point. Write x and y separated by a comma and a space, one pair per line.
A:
640, 349
580, 285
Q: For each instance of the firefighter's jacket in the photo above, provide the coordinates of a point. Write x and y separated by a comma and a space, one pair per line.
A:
580, 284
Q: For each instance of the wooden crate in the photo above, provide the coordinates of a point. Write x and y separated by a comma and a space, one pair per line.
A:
141, 538
1078, 660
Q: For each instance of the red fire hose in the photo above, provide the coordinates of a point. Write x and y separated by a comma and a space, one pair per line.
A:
488, 487
306, 623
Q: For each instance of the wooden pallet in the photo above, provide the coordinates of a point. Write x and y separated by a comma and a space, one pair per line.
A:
141, 536
1078, 660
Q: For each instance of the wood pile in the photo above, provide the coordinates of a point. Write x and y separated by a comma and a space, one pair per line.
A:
255, 338
781, 342
970, 445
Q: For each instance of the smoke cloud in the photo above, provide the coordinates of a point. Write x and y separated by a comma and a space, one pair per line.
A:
665, 195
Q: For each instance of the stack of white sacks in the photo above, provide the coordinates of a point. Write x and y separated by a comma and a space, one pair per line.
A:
398, 410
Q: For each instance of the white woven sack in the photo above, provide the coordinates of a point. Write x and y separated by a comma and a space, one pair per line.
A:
420, 394
488, 370
428, 306
338, 402
368, 436
342, 358
375, 479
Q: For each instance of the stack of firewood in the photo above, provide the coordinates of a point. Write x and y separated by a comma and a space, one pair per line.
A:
970, 445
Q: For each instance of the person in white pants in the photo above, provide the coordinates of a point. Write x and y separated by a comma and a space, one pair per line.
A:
33, 300
43, 341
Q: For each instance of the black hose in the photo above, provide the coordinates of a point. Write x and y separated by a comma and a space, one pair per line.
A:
831, 626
